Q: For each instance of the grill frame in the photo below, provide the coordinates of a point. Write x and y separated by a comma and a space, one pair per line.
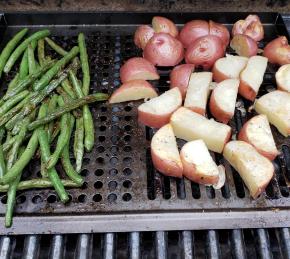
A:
157, 214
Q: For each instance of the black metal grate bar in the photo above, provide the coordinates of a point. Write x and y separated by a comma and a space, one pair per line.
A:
83, 246
263, 244
161, 244
212, 244
188, 244
109, 246
31, 246
5, 247
237, 244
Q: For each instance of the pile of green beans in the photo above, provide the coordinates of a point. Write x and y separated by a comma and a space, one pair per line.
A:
44, 108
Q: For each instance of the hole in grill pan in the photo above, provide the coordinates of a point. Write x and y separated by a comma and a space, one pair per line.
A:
150, 177
112, 185
112, 197
180, 187
195, 190
127, 184
99, 172
37, 199
20, 199
238, 184
210, 192
97, 197
98, 185
127, 197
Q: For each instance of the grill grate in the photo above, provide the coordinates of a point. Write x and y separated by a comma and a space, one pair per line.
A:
237, 244
119, 175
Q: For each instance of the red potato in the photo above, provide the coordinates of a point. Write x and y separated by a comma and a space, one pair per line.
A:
252, 76
220, 31
251, 27
179, 77
189, 125
244, 46
164, 50
164, 152
283, 78
156, 112
205, 51
223, 100
278, 51
133, 90
255, 169
142, 35
192, 31
198, 165
138, 68
257, 132
162, 24
276, 106
228, 67
198, 92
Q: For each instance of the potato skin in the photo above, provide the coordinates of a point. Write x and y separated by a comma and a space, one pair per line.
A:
220, 31
138, 68
217, 112
192, 31
142, 35
205, 51
179, 77
243, 136
244, 45
278, 51
247, 91
166, 167
162, 24
164, 50
153, 120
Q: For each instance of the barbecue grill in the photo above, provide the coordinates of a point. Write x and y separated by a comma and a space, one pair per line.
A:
122, 190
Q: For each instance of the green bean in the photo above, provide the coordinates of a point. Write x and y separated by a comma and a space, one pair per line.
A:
10, 47
67, 166
23, 69
55, 132
23, 160
22, 84
51, 107
18, 125
7, 116
67, 108
21, 48
35, 100
11, 102
31, 60
13, 82
38, 184
88, 118
58, 49
79, 143
2, 162
67, 87
67, 99
8, 138
40, 52
2, 133
45, 79
63, 137
84, 63
11, 194
52, 174
8, 143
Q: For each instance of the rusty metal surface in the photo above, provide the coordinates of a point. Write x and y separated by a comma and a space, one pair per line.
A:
119, 177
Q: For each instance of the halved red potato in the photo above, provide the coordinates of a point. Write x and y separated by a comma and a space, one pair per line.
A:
198, 165
164, 50
132, 91
220, 31
223, 100
142, 35
162, 24
252, 77
138, 68
283, 78
276, 106
244, 46
192, 31
198, 92
278, 51
179, 77
255, 169
228, 67
205, 51
251, 27
156, 112
164, 152
257, 132
189, 125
